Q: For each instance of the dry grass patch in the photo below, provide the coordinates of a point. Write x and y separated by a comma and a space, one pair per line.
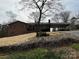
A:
55, 34
16, 39
8, 41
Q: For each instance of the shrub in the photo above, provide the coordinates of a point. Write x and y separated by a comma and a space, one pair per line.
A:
39, 34
3, 33
75, 46
38, 53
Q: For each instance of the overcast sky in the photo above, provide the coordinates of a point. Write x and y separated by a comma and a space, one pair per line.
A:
6, 5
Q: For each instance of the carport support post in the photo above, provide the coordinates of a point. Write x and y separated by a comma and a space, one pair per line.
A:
49, 24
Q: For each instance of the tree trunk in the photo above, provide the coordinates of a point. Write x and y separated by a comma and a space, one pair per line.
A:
38, 24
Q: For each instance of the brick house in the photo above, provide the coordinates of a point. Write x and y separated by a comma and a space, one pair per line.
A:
18, 27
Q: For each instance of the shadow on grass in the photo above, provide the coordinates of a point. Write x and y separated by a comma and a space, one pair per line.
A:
40, 43
38, 49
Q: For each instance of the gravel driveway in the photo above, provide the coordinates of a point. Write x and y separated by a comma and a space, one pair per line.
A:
76, 33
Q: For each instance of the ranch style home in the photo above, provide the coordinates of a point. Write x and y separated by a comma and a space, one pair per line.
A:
18, 27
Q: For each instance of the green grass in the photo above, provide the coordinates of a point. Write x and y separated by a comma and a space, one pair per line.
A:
75, 46
38, 53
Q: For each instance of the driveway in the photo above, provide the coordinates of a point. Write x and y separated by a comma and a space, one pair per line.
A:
76, 33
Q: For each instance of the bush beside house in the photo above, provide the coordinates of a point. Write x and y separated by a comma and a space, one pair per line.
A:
3, 30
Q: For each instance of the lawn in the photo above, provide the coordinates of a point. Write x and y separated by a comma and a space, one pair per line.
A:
42, 53
7, 41
75, 46
15, 39
37, 53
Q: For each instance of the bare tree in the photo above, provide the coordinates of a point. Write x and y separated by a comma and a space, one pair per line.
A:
34, 15
72, 24
65, 16
56, 18
73, 21
77, 15
42, 8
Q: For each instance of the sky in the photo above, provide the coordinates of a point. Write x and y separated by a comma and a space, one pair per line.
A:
11, 5
72, 5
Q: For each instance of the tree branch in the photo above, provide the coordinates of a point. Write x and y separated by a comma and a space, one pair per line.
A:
45, 11
36, 4
38, 1
45, 14
43, 3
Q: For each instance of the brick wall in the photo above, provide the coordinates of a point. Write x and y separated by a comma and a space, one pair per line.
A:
17, 28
